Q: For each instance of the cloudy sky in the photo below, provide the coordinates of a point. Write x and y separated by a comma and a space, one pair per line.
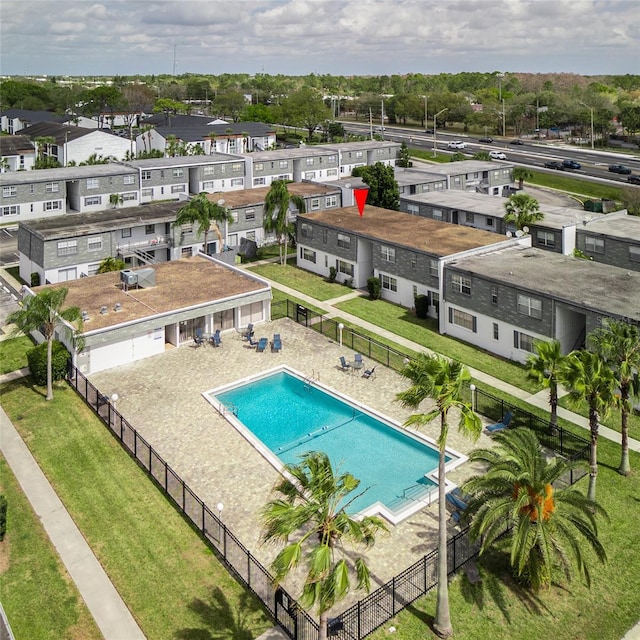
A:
339, 37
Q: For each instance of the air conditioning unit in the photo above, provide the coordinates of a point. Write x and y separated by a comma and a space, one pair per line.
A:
128, 277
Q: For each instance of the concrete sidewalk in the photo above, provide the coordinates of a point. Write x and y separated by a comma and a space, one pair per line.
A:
103, 601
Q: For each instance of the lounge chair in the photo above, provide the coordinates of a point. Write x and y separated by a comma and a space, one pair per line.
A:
344, 365
216, 340
276, 343
503, 424
248, 332
199, 338
370, 373
457, 500
252, 342
262, 345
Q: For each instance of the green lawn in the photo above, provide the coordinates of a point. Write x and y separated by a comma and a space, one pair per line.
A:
170, 579
33, 573
13, 354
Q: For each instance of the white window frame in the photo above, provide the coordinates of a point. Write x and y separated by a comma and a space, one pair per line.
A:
67, 247
145, 175
529, 306
546, 238
92, 201
331, 201
178, 188
594, 244
131, 179
178, 173
93, 183
52, 205
463, 319
388, 282
94, 243
10, 191
11, 210
315, 204
344, 241
52, 187
461, 284
388, 254
308, 254
523, 341
344, 267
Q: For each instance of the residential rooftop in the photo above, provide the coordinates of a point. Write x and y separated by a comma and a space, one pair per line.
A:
180, 284
625, 227
257, 195
422, 234
467, 166
587, 284
182, 161
66, 173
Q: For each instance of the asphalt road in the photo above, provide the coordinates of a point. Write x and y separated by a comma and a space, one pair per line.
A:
8, 245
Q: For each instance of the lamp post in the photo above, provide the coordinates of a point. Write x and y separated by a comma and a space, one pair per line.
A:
591, 110
501, 101
472, 387
435, 145
114, 400
340, 328
426, 113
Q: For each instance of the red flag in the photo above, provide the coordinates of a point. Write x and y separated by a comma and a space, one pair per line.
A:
361, 198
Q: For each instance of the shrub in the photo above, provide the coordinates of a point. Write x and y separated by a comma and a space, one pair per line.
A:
3, 517
35, 279
422, 306
374, 286
332, 274
37, 359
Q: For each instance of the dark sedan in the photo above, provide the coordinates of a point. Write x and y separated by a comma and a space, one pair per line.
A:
619, 168
554, 164
571, 164
485, 140
516, 141
633, 179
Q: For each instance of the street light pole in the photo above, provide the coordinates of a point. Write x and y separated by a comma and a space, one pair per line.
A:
435, 145
426, 116
591, 110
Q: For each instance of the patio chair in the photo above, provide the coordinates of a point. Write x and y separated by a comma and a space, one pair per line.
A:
252, 342
262, 345
248, 332
503, 424
215, 339
276, 343
370, 373
344, 365
358, 358
198, 338
457, 499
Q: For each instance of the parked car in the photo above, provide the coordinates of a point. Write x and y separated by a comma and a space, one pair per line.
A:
619, 168
571, 164
554, 164
428, 130
485, 140
457, 144
516, 141
497, 155
633, 179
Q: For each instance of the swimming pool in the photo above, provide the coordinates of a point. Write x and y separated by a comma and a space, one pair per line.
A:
285, 415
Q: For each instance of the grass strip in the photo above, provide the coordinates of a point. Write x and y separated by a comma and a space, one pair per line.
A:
13, 354
170, 579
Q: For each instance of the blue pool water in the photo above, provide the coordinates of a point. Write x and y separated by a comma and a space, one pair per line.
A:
292, 417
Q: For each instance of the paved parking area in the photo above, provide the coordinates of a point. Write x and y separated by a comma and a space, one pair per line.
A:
162, 398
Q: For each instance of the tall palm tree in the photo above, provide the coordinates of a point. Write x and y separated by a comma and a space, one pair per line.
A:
587, 377
522, 210
544, 367
443, 380
313, 508
619, 344
276, 212
547, 527
206, 214
521, 174
43, 312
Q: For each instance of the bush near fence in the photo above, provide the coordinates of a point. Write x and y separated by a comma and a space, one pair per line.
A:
384, 603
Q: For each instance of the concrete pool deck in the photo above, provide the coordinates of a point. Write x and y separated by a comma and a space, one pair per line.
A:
162, 398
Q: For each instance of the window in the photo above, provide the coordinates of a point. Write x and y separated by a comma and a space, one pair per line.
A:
489, 222
67, 247
92, 269
494, 295
149, 229
307, 254
10, 192
178, 173
331, 159
309, 175
126, 233
470, 217
309, 162
250, 214
325, 236
388, 254
461, 284
52, 205
250, 235
237, 182
344, 241
331, 201
13, 210
523, 341
593, 244
94, 243
306, 230
414, 261
437, 214
178, 188
315, 204
413, 209
528, 306
283, 164
462, 319
258, 182
332, 173
456, 180
129, 179
52, 187
388, 282
345, 267
92, 201
207, 184
634, 253
209, 170
237, 166
93, 183
185, 252
496, 331
146, 193
258, 166
359, 154
546, 239
146, 175
433, 268
32, 189
130, 195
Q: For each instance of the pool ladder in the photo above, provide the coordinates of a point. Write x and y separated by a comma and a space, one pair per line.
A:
229, 408
307, 381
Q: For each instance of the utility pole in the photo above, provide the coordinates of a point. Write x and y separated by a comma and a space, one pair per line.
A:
174, 59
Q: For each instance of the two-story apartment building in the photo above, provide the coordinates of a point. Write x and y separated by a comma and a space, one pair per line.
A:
484, 176
17, 153
366, 152
612, 239
504, 300
14, 120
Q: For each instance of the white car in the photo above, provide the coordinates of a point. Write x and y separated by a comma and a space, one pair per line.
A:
497, 155
457, 144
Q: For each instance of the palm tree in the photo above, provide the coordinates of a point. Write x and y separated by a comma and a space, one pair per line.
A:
522, 210
313, 508
276, 213
43, 312
619, 344
521, 174
206, 214
111, 264
115, 199
443, 380
547, 527
544, 367
587, 377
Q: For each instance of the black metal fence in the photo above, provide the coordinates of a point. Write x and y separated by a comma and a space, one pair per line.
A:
384, 603
285, 610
